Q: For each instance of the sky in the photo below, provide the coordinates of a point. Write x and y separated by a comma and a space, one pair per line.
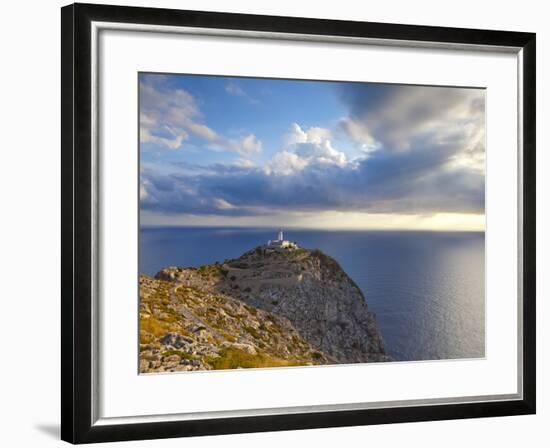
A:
221, 151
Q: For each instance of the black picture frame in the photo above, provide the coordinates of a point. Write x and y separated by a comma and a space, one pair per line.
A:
76, 281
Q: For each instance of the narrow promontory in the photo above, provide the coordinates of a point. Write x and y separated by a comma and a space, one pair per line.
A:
270, 307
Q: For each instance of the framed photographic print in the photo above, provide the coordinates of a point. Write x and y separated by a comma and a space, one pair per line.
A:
274, 223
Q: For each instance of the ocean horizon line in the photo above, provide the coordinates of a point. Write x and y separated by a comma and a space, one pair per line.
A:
309, 229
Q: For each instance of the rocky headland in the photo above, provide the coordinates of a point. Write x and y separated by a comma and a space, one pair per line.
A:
271, 307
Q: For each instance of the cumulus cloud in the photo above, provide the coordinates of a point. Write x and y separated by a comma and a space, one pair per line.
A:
164, 116
285, 163
297, 135
407, 183
302, 148
250, 144
246, 146
168, 116
426, 154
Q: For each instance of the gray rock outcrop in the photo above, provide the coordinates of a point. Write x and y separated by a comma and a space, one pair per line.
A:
306, 287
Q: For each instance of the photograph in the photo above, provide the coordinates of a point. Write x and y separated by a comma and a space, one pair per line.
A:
293, 223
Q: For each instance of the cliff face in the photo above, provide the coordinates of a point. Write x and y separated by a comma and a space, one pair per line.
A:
316, 295
305, 292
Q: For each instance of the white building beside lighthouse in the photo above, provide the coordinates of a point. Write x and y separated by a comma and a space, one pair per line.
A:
281, 243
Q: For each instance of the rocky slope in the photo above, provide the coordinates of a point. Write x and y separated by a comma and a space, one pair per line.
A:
266, 308
191, 327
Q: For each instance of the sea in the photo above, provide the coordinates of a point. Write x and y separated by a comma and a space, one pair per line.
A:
427, 289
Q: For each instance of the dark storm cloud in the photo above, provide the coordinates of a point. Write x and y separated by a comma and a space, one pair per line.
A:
397, 116
406, 182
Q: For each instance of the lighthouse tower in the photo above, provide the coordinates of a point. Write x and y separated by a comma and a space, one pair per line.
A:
280, 242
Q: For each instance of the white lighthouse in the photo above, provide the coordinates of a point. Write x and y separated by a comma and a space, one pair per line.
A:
280, 242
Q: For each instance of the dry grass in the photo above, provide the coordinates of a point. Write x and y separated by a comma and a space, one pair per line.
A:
154, 327
232, 358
